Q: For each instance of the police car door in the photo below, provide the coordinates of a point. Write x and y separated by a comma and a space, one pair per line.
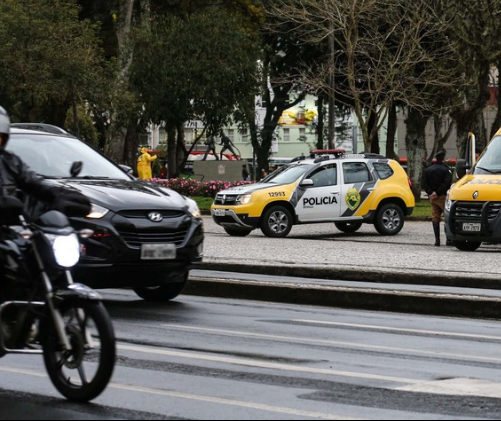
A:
321, 201
358, 184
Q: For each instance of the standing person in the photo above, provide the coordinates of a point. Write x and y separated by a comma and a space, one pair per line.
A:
245, 173
144, 165
228, 146
437, 181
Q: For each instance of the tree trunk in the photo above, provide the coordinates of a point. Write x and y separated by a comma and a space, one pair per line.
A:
321, 122
415, 142
116, 145
392, 132
375, 138
172, 152
496, 124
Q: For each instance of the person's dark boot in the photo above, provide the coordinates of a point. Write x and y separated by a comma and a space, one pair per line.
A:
436, 229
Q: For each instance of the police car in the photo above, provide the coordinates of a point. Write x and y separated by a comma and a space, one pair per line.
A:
350, 190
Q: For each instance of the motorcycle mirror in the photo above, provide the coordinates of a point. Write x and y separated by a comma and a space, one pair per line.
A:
76, 169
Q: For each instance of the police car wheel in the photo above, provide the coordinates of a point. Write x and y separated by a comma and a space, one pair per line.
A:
390, 219
277, 222
237, 233
467, 245
349, 227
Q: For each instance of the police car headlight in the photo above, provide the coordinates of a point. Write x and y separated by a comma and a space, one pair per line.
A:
244, 199
448, 203
97, 212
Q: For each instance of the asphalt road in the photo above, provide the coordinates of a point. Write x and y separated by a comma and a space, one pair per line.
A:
202, 358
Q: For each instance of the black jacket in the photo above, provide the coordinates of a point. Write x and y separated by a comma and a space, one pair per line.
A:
437, 179
16, 175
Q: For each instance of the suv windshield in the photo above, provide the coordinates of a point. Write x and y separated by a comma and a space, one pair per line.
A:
51, 156
490, 162
287, 174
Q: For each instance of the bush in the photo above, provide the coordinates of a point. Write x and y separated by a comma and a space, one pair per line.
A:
189, 187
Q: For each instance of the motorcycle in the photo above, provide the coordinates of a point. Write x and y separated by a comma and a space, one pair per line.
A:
44, 312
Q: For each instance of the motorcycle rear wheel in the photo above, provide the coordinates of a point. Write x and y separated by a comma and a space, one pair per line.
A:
83, 373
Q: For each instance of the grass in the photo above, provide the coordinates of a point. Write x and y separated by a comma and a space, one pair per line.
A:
204, 203
422, 210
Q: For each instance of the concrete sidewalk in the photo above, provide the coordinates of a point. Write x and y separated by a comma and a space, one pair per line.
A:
396, 272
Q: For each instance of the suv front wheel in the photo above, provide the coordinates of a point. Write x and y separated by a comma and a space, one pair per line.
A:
390, 220
277, 222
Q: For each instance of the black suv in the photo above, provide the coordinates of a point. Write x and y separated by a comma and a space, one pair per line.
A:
146, 237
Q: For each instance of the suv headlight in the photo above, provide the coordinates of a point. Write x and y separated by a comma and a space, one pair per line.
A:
97, 212
193, 208
448, 203
244, 199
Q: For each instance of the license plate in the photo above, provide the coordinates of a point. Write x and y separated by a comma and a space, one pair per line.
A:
472, 227
219, 212
158, 252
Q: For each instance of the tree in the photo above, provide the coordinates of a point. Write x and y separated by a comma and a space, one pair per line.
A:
50, 61
196, 66
385, 53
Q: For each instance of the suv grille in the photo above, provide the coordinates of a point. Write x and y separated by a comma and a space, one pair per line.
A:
226, 199
473, 211
136, 239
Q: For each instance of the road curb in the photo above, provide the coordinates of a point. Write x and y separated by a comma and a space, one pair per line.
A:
358, 275
436, 304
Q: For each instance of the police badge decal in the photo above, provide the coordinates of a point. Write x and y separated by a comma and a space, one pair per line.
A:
353, 199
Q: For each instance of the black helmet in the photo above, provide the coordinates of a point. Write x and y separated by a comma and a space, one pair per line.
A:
4, 127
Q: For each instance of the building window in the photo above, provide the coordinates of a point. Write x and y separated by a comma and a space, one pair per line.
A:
287, 135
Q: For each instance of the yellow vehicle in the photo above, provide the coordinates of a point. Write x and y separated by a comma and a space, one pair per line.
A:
472, 209
349, 191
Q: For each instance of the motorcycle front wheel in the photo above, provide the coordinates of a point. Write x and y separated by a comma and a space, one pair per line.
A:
82, 373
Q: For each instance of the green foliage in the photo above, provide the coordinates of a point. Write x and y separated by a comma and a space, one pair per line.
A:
49, 59
83, 127
197, 66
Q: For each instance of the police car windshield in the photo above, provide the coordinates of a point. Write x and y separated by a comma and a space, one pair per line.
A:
490, 162
287, 174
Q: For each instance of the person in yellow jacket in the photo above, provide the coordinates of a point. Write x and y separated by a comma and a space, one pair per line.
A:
144, 164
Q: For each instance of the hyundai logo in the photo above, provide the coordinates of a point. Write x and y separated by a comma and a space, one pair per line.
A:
475, 195
155, 217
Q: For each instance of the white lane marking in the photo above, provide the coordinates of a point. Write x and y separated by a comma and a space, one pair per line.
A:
294, 339
402, 330
458, 387
221, 401
201, 398
264, 365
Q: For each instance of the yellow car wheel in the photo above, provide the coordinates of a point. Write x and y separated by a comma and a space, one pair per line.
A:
277, 222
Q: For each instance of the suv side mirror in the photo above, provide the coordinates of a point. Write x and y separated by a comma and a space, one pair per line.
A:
307, 183
462, 167
76, 169
127, 170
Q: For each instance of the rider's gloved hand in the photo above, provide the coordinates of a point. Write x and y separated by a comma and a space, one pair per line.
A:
72, 203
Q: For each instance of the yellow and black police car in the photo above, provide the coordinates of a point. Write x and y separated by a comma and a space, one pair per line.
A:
350, 190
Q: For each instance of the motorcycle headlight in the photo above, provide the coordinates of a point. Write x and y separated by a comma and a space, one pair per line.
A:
97, 212
244, 199
193, 208
66, 249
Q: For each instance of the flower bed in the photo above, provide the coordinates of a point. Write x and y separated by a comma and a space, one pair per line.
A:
189, 187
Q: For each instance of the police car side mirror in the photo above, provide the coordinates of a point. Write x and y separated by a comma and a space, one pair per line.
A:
307, 183
462, 167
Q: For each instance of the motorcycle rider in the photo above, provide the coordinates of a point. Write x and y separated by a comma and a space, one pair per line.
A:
15, 175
